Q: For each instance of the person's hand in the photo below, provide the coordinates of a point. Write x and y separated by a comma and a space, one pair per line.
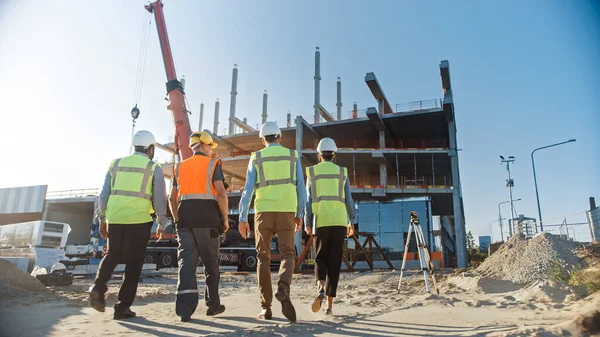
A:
298, 222
161, 222
308, 230
225, 226
103, 229
350, 230
244, 228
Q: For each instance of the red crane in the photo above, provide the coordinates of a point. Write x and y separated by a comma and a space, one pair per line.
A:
183, 130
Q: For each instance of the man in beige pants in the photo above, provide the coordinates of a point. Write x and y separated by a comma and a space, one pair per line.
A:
276, 174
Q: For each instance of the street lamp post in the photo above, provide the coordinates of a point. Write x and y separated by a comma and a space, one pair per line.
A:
537, 196
492, 229
500, 216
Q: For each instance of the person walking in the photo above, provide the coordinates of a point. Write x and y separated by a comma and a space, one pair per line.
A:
134, 188
275, 172
198, 201
329, 216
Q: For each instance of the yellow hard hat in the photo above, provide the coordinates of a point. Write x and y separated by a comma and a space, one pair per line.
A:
202, 137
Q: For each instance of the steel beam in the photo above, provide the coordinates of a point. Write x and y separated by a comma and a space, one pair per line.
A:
221, 140
377, 92
379, 125
241, 124
324, 113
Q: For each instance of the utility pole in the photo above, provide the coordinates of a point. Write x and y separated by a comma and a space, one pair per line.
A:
510, 183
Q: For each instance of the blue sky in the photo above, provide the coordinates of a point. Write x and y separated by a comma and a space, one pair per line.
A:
524, 74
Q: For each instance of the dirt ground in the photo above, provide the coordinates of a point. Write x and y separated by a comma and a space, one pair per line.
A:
367, 305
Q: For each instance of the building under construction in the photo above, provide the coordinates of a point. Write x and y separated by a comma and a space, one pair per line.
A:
400, 158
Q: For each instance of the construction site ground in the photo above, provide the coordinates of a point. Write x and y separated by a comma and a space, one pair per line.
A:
367, 305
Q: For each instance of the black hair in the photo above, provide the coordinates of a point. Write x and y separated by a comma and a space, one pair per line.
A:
327, 155
143, 149
271, 138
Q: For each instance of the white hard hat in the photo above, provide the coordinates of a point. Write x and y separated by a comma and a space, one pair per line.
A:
269, 129
143, 138
326, 145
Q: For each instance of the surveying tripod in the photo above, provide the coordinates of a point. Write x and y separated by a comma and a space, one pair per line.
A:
423, 250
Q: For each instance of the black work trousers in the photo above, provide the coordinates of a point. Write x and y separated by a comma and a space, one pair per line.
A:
329, 243
193, 243
126, 244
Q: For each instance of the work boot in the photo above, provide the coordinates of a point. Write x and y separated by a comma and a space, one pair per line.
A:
287, 308
318, 301
124, 315
265, 313
215, 311
97, 300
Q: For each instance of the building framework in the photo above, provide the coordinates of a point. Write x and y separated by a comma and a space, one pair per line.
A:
394, 154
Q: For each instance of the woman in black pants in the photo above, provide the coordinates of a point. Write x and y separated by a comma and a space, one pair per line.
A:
329, 216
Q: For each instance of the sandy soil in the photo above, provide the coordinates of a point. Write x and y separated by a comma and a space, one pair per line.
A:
367, 306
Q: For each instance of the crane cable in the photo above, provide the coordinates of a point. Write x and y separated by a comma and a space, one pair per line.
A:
141, 64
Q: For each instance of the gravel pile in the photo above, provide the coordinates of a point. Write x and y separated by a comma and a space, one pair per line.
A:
14, 282
524, 260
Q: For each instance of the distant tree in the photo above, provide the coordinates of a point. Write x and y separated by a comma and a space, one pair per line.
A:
470, 242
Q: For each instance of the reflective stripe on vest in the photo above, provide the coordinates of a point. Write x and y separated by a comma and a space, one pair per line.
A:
148, 171
313, 186
198, 196
259, 160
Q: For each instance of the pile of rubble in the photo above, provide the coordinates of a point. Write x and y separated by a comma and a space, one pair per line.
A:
523, 260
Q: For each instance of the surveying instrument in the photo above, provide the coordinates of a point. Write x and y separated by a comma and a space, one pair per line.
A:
423, 251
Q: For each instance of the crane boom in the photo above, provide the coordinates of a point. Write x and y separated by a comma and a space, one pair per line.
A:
183, 130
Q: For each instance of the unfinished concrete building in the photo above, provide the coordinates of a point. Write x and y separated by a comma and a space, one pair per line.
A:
400, 158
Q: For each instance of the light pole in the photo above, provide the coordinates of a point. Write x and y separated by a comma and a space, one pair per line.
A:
492, 229
500, 216
509, 184
537, 196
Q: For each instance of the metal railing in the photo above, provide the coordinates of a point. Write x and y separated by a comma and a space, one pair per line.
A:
401, 107
418, 105
77, 193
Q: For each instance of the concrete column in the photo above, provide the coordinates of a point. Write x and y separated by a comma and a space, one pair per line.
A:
201, 118
233, 93
264, 108
382, 166
339, 99
299, 135
459, 221
317, 79
383, 175
216, 121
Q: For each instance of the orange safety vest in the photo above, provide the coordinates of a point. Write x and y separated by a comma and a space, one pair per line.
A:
195, 178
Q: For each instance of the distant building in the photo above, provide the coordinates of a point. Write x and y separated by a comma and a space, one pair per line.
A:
484, 243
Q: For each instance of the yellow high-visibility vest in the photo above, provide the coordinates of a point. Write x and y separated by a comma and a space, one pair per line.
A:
130, 200
327, 181
276, 179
